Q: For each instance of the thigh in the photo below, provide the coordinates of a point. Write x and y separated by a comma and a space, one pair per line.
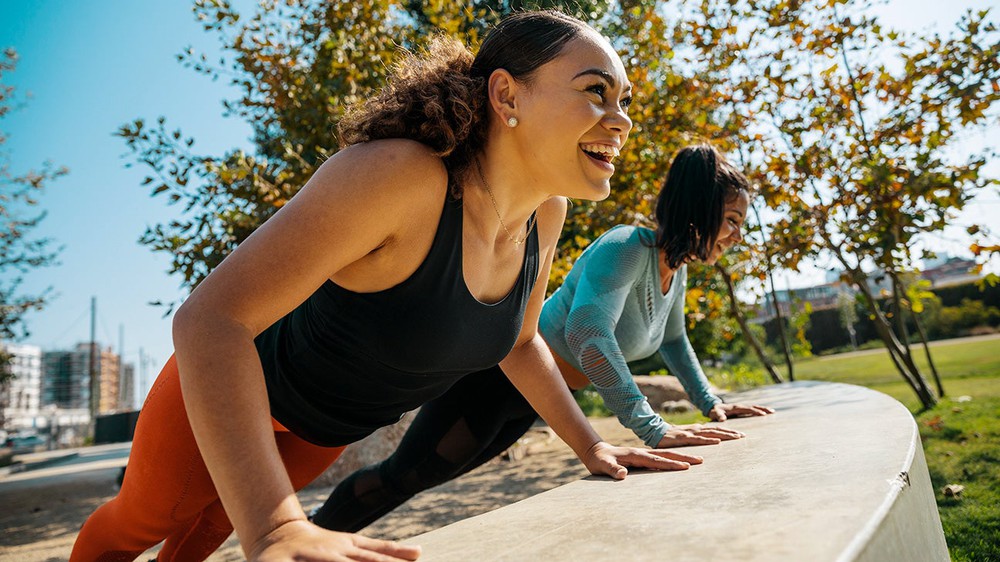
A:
303, 460
459, 425
166, 474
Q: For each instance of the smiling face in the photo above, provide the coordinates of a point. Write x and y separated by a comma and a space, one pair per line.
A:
572, 120
731, 231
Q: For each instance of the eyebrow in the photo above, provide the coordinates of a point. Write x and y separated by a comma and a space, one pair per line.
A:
605, 75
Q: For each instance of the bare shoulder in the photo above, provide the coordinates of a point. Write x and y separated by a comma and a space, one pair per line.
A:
551, 216
364, 198
395, 168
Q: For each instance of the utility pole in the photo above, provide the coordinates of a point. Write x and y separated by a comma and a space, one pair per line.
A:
124, 402
140, 387
95, 382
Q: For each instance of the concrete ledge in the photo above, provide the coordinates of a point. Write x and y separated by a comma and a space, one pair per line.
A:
837, 473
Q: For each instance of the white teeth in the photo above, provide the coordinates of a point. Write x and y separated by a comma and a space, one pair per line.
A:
605, 149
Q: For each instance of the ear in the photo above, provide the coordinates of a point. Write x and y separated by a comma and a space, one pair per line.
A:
503, 90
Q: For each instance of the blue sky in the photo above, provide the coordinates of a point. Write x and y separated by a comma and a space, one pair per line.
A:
93, 66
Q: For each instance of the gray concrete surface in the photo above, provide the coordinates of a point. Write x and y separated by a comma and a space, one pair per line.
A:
837, 473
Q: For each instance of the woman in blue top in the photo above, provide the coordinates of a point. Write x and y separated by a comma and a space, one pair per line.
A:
623, 300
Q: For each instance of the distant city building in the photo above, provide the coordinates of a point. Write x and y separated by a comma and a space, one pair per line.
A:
818, 296
948, 270
20, 394
127, 388
66, 379
941, 272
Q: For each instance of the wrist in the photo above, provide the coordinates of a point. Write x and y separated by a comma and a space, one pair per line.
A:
592, 449
712, 406
654, 439
275, 535
263, 529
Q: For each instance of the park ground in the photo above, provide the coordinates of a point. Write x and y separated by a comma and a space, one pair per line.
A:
961, 438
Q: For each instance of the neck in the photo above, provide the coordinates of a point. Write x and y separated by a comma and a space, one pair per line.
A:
513, 198
666, 272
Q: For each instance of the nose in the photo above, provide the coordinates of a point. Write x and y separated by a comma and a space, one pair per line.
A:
737, 235
618, 120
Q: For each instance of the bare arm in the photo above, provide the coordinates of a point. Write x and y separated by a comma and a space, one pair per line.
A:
333, 225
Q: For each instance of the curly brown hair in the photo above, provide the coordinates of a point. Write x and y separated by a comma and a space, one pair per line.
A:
431, 97
438, 96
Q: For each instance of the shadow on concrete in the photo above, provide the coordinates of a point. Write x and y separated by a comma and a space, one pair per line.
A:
56, 511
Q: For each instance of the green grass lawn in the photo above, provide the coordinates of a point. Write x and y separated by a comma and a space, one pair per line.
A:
962, 445
966, 368
961, 439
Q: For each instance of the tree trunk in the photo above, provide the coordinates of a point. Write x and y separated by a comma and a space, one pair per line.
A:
785, 347
909, 371
741, 320
927, 352
897, 310
903, 362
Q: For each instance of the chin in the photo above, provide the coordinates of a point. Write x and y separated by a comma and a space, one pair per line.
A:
591, 193
603, 192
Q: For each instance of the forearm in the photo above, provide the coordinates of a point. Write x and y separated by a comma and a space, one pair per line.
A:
632, 409
533, 371
683, 363
603, 363
227, 406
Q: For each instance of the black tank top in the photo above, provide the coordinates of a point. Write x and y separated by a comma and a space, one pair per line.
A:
343, 364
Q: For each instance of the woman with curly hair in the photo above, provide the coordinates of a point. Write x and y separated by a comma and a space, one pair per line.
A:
414, 256
622, 301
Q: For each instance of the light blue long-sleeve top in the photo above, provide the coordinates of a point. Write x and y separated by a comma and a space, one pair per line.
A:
611, 310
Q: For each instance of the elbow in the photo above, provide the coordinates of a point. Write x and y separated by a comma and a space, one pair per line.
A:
185, 326
195, 327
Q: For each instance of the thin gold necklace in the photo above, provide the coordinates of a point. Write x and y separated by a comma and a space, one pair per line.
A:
510, 236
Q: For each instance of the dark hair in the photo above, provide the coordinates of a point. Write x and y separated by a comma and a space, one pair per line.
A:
690, 207
439, 97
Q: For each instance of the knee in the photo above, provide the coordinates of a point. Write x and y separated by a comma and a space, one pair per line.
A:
415, 478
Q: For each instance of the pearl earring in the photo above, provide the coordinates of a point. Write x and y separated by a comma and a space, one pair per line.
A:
512, 122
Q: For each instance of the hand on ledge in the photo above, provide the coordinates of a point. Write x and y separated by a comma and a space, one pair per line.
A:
697, 434
721, 412
606, 459
301, 540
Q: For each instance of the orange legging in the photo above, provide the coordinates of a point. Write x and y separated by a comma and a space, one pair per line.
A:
168, 494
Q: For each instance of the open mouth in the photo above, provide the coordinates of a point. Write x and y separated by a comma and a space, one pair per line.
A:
602, 152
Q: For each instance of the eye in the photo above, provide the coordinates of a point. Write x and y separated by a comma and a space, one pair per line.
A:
625, 102
598, 89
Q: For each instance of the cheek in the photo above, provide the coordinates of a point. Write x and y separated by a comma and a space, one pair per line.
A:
725, 232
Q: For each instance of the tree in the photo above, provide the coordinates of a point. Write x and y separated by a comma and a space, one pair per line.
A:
917, 293
20, 252
850, 130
